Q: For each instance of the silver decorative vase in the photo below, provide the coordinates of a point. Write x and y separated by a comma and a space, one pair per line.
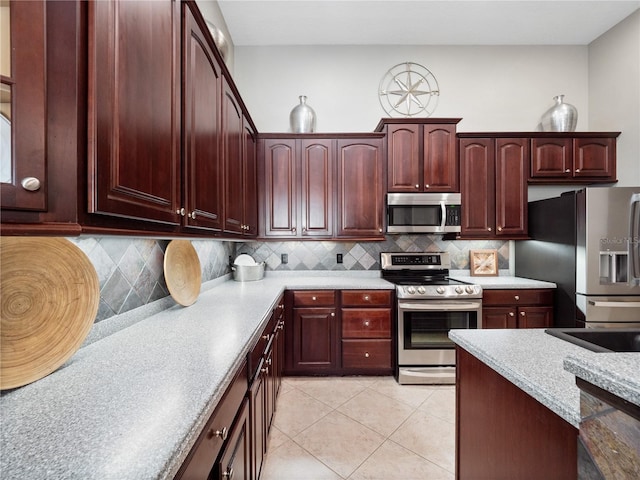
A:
562, 117
302, 118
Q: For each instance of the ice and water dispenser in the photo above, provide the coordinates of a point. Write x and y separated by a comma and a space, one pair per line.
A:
613, 267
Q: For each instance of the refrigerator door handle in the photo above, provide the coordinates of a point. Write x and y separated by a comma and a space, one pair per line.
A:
634, 240
595, 303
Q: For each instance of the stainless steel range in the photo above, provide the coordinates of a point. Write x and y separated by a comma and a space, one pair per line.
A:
429, 304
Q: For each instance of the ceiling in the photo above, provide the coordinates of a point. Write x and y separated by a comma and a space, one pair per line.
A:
421, 22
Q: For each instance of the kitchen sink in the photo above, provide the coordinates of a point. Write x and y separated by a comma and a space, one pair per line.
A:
600, 339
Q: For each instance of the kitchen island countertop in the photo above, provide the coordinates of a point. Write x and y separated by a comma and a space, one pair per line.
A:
543, 366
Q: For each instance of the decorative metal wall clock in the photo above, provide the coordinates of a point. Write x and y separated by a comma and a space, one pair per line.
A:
408, 89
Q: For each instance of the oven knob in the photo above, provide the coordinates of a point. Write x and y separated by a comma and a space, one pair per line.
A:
440, 290
459, 290
469, 289
421, 290
411, 290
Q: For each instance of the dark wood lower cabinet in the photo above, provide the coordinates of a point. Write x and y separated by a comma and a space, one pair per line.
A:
235, 460
530, 308
503, 433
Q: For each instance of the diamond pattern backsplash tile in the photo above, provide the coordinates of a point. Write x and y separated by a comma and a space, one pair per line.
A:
131, 270
321, 255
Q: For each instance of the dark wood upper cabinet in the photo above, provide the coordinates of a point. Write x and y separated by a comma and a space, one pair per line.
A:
573, 158
421, 155
134, 109
23, 174
203, 166
232, 147
278, 169
317, 169
494, 187
250, 187
360, 185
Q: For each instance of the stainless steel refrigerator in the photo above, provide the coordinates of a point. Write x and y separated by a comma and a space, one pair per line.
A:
588, 243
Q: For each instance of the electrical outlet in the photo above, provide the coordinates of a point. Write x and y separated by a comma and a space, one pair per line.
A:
338, 258
284, 258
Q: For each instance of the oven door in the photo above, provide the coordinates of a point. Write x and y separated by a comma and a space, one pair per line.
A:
423, 329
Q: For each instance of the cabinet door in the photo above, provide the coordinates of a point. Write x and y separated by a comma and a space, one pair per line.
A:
250, 190
235, 460
317, 187
535, 317
551, 157
477, 173
594, 157
202, 160
23, 174
314, 339
232, 139
512, 165
360, 188
257, 415
499, 317
279, 187
440, 159
134, 109
403, 161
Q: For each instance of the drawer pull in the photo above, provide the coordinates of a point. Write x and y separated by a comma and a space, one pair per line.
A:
314, 298
367, 323
333, 314
367, 298
220, 433
228, 473
511, 314
522, 314
517, 297
265, 370
265, 337
366, 354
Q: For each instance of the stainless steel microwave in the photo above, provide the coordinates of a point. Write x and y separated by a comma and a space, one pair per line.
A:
423, 212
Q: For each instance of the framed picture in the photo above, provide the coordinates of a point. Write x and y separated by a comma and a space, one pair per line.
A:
483, 263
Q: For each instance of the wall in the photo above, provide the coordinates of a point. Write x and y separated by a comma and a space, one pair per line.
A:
131, 272
614, 92
492, 88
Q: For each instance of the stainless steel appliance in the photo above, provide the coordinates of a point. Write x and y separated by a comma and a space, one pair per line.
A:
429, 304
423, 212
587, 242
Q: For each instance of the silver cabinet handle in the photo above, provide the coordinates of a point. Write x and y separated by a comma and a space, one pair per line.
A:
511, 314
577, 170
32, 184
180, 211
489, 229
313, 298
426, 185
367, 298
366, 354
192, 215
567, 171
522, 314
499, 229
517, 297
417, 186
220, 433
333, 314
366, 323
228, 473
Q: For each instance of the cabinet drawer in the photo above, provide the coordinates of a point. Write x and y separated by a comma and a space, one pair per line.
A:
366, 354
208, 446
517, 297
314, 298
366, 323
365, 298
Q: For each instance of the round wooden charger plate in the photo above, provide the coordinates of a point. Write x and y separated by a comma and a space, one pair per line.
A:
182, 272
50, 296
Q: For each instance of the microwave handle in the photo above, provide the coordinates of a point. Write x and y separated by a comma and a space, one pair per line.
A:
444, 215
634, 240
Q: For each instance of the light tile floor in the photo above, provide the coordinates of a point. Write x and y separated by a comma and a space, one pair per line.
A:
361, 428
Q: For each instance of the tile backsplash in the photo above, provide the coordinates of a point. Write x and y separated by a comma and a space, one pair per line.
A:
131, 272
320, 255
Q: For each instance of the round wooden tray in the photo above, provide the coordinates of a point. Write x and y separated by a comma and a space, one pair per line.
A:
182, 272
50, 296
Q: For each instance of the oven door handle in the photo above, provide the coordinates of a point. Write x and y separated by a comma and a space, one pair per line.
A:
448, 307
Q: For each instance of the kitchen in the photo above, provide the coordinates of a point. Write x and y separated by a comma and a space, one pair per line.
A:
473, 100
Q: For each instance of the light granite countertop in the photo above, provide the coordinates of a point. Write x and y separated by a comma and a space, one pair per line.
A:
132, 401
543, 366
